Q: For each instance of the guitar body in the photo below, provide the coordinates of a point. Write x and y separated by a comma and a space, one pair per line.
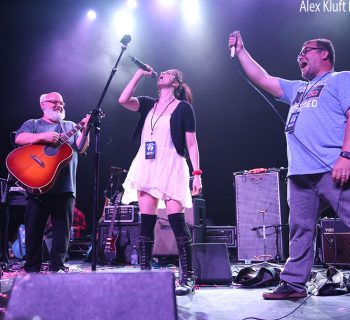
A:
36, 166
110, 251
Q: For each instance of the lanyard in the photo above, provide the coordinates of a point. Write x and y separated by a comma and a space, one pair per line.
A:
154, 110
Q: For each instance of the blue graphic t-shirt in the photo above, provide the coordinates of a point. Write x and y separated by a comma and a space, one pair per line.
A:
318, 135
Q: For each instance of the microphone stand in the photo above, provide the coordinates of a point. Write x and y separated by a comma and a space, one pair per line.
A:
95, 121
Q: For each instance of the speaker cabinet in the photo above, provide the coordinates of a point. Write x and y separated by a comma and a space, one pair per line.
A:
126, 235
262, 215
71, 296
335, 237
164, 239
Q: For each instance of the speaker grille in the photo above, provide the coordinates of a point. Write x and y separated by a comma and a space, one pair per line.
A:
335, 242
259, 219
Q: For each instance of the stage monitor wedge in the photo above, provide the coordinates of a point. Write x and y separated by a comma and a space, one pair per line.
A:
98, 296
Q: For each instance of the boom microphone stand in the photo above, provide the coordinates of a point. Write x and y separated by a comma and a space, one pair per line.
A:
95, 121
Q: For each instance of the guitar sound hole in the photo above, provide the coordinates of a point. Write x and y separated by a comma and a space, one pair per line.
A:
50, 151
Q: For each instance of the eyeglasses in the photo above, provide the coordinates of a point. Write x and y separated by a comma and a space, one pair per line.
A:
62, 104
304, 51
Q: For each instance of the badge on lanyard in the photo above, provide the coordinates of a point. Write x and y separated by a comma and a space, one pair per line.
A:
150, 149
292, 121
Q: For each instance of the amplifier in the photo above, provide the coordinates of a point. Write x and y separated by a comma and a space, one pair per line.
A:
124, 213
127, 239
335, 236
262, 215
221, 234
79, 248
164, 239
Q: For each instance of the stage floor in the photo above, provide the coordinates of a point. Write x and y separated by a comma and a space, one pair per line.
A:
219, 302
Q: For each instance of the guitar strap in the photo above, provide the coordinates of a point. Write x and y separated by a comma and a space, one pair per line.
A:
59, 128
36, 125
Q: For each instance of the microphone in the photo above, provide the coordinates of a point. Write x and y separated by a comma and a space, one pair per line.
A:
233, 48
233, 52
126, 39
143, 66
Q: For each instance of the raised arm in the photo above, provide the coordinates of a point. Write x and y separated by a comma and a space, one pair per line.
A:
254, 71
126, 99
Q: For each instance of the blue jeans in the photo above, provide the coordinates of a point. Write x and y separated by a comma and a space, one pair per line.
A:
308, 195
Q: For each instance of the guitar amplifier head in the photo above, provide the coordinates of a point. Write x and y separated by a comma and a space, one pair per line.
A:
221, 234
125, 213
335, 242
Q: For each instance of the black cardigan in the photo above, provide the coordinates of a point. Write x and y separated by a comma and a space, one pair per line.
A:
182, 120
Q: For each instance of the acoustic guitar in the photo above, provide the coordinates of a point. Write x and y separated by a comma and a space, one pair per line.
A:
36, 166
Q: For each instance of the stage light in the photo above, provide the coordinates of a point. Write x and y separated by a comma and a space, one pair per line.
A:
123, 22
167, 3
131, 4
190, 10
91, 14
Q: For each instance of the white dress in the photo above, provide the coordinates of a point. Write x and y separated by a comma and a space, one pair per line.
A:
166, 176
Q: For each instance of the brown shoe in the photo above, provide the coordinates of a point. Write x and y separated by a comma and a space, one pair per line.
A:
284, 291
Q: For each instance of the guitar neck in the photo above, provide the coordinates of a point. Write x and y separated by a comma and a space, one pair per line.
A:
114, 213
71, 132
110, 229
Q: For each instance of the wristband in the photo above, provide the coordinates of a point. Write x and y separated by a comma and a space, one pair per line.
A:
197, 172
345, 154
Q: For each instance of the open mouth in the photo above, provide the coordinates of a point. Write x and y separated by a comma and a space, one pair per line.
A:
302, 65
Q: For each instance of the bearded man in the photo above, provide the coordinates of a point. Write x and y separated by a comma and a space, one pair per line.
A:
58, 202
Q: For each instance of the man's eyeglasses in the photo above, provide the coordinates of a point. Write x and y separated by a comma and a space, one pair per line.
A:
62, 104
307, 49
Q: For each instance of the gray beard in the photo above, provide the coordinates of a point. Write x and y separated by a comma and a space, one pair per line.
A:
55, 116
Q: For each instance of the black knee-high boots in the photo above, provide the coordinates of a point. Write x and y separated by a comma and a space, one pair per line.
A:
146, 240
184, 242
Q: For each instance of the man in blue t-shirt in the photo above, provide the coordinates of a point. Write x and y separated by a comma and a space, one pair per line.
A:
318, 146
58, 202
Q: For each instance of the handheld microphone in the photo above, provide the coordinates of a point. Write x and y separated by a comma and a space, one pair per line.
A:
143, 66
233, 52
233, 48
